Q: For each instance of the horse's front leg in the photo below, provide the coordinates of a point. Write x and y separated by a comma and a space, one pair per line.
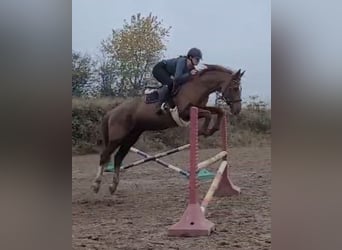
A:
204, 130
202, 113
220, 113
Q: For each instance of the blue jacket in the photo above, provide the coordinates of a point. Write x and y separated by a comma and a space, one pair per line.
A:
178, 69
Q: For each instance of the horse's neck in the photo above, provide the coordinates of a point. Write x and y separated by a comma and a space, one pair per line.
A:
208, 83
197, 92
211, 82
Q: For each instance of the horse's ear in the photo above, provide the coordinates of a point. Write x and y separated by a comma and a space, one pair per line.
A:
237, 74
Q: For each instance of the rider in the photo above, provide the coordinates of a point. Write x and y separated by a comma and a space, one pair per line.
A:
180, 68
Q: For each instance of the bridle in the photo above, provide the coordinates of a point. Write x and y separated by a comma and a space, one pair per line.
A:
235, 84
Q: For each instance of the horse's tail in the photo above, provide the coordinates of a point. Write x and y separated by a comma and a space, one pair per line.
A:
105, 130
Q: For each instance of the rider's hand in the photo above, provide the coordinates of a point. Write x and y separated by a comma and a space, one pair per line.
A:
193, 72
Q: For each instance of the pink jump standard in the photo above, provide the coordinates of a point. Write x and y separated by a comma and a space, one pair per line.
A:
193, 222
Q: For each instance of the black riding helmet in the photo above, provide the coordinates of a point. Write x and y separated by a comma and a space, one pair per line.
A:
195, 53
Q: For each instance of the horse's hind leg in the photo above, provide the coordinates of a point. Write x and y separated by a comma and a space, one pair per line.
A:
104, 160
126, 144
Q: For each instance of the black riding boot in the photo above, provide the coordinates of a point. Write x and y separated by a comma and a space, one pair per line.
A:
175, 89
163, 99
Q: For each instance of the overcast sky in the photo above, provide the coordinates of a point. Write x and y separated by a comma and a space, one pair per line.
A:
235, 33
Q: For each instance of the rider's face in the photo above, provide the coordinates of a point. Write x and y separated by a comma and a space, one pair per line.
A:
195, 60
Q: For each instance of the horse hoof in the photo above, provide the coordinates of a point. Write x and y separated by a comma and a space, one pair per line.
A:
112, 188
204, 134
95, 187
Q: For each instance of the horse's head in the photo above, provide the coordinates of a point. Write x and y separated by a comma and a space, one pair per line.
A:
231, 92
225, 81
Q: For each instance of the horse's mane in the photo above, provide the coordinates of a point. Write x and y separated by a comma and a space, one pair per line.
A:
213, 67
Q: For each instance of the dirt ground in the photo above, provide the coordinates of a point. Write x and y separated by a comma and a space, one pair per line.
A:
150, 198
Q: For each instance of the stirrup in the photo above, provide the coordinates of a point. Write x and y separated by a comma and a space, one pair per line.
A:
164, 107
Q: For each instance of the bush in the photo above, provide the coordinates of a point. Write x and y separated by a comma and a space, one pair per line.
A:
251, 127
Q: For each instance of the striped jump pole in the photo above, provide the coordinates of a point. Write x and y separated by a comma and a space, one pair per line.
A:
155, 158
193, 221
213, 187
212, 160
226, 186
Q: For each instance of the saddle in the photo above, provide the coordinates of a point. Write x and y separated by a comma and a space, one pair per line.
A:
159, 93
154, 94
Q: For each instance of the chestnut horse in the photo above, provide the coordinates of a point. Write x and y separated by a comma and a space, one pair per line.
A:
123, 125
